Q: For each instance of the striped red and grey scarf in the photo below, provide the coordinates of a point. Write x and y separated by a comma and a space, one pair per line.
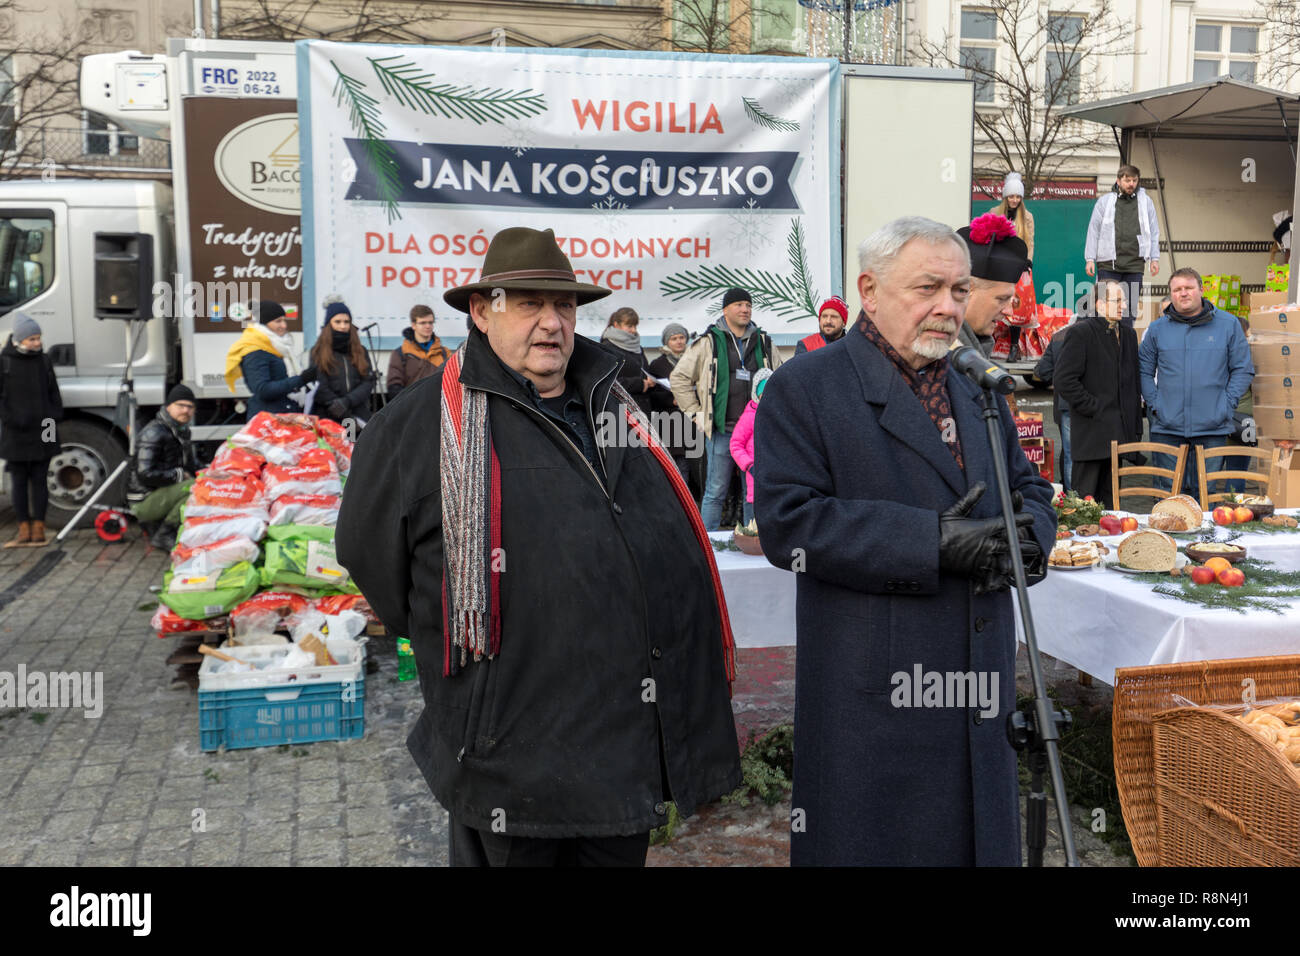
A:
471, 523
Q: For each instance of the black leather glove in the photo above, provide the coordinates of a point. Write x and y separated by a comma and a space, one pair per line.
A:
338, 408
973, 547
308, 375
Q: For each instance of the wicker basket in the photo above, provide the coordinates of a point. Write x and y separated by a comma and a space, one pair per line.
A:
1224, 795
1141, 692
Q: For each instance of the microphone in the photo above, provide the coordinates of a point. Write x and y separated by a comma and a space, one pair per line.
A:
980, 370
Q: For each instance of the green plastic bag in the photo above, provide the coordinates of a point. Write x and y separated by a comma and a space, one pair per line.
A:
312, 532
201, 596
307, 563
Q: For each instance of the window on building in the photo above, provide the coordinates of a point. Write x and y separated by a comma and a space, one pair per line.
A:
8, 105
702, 25
979, 50
102, 138
1225, 49
1064, 56
779, 25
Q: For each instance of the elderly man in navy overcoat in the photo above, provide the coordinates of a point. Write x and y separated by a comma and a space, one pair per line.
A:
874, 481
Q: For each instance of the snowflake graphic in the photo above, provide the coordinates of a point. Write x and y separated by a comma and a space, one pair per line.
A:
747, 230
610, 211
790, 89
520, 137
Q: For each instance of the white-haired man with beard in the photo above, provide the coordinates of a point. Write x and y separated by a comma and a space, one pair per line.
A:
872, 463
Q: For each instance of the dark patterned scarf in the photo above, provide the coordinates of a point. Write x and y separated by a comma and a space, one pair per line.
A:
929, 384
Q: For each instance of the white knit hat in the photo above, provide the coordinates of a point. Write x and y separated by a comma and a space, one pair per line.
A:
1013, 185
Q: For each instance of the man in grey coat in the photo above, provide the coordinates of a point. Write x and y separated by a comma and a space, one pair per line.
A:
874, 480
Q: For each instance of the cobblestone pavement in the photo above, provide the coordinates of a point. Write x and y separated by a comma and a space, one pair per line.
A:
131, 787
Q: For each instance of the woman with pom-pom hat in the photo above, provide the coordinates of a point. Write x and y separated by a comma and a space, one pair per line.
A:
1007, 338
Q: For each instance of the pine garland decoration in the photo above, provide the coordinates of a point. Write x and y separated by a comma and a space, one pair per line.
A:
765, 119
1265, 589
363, 113
410, 87
789, 296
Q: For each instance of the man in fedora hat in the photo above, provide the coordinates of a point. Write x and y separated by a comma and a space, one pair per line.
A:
513, 514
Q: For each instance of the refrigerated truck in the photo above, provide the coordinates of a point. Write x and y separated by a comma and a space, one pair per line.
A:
76, 250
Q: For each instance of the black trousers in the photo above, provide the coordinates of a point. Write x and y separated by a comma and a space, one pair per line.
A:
22, 474
1092, 477
470, 847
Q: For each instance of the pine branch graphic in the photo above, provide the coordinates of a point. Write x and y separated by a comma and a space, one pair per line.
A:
363, 114
765, 119
790, 296
406, 84
798, 254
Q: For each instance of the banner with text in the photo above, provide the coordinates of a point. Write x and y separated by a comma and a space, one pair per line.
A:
667, 179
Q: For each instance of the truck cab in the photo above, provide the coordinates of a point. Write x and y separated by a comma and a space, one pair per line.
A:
53, 232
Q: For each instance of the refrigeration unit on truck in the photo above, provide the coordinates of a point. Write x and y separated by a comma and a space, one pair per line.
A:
892, 141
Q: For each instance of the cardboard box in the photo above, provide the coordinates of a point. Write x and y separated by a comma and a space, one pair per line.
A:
1284, 488
1029, 425
1210, 286
1232, 285
1256, 301
1275, 353
1275, 321
1273, 389
1277, 278
1277, 421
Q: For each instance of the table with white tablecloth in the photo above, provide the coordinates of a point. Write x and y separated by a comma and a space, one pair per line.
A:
1096, 620
760, 597
1100, 619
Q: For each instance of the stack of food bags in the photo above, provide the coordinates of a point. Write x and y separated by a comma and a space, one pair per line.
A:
262, 516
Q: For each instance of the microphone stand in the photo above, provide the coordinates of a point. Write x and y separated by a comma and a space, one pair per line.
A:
1036, 727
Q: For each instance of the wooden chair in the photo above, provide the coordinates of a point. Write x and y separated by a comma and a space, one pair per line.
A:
1175, 476
1266, 480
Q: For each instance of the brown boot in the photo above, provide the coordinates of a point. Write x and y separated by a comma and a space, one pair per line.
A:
24, 535
38, 534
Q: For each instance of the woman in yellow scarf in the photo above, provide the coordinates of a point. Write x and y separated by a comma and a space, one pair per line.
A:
263, 356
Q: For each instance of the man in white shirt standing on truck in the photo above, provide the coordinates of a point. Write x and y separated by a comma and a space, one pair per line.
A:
1123, 237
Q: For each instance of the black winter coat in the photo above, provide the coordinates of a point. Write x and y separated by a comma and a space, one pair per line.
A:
632, 375
681, 435
29, 398
1098, 379
605, 587
850, 476
269, 383
163, 453
346, 384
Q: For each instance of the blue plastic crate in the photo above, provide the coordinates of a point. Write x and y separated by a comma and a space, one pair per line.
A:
282, 714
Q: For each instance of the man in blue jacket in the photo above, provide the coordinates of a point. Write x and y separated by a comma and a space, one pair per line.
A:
1195, 367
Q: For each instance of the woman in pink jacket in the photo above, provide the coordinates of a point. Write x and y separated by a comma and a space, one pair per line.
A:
742, 437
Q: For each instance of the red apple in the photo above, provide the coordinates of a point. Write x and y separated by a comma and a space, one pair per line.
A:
1128, 524
1231, 578
1203, 575
1109, 524
1223, 516
1242, 514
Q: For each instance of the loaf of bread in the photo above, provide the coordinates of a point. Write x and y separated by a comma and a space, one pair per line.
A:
1148, 551
1184, 507
1167, 522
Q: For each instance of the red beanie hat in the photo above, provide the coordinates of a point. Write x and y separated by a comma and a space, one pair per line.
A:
836, 303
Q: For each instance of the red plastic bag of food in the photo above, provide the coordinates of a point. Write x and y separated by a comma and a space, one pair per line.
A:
337, 603
316, 473
233, 460
319, 510
280, 439
212, 494
209, 529
166, 621
335, 437
207, 558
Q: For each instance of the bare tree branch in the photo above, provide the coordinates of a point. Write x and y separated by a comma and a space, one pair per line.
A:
1283, 32
1044, 61
366, 20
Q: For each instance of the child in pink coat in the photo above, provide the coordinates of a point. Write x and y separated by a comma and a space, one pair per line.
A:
742, 437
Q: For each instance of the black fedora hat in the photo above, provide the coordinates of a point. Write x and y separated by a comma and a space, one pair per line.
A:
522, 258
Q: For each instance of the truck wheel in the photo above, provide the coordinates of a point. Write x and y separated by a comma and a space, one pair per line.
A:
86, 458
